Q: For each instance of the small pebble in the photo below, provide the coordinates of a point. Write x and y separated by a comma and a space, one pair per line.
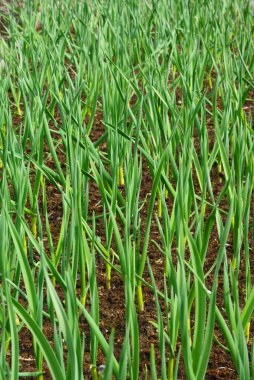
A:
101, 370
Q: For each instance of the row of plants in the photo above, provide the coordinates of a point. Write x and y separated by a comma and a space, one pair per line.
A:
171, 82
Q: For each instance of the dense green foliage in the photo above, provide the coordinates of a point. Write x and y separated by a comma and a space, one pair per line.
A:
98, 93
